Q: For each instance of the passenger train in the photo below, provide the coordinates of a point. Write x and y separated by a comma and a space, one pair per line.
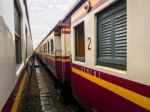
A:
101, 48
15, 51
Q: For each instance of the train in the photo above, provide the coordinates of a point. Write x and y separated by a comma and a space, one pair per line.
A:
16, 49
101, 49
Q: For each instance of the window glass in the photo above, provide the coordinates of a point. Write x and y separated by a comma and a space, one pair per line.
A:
52, 46
26, 42
79, 42
48, 48
17, 20
45, 48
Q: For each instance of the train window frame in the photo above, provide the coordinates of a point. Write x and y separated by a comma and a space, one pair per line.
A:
52, 46
120, 63
18, 28
26, 32
44, 48
45, 45
79, 58
48, 45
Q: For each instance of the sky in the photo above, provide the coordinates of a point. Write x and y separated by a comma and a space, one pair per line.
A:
44, 14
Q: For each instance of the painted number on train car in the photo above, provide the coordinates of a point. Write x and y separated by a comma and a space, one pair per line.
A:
89, 43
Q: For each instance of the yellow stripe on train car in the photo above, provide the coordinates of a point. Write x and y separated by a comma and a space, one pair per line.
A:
66, 60
133, 97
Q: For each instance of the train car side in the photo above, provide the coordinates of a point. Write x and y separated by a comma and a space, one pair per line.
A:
55, 53
55, 49
15, 46
109, 54
111, 75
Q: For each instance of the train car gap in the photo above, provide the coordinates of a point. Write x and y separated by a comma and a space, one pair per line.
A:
40, 94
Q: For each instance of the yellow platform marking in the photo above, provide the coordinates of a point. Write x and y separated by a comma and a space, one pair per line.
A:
136, 98
19, 94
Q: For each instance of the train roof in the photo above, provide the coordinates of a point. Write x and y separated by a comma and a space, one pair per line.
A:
77, 4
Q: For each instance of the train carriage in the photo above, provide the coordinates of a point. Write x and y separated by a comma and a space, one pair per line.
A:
109, 45
55, 49
55, 54
15, 50
110, 56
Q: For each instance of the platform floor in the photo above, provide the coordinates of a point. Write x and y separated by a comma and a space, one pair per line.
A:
40, 94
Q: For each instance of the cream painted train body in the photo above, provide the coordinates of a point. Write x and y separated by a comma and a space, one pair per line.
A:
110, 55
112, 72
15, 48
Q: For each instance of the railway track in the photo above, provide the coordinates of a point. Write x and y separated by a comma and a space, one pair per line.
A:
41, 96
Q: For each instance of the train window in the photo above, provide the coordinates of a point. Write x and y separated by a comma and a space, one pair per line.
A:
17, 20
112, 36
79, 42
48, 48
45, 48
42, 48
26, 42
52, 46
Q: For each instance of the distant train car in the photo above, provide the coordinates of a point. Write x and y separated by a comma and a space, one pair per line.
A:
15, 50
55, 54
55, 49
110, 55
